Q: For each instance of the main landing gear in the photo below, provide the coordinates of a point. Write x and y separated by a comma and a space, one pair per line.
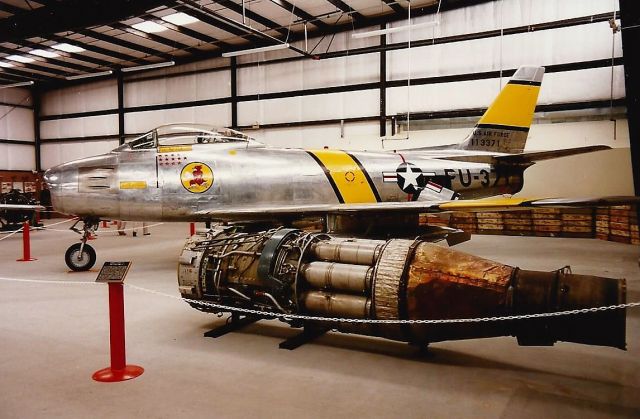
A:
81, 256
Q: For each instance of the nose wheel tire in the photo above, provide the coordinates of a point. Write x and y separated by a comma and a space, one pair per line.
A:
77, 261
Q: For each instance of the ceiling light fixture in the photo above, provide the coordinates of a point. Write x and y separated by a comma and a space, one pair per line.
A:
6, 65
149, 27
180, 19
67, 47
21, 84
88, 75
397, 29
148, 66
20, 58
255, 50
44, 53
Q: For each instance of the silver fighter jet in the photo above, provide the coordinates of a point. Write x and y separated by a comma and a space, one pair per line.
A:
186, 172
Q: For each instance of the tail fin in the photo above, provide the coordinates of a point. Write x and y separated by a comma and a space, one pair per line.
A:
504, 127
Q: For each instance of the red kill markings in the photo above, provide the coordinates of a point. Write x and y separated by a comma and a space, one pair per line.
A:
171, 159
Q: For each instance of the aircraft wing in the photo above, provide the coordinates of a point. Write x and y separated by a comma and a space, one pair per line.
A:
20, 207
471, 205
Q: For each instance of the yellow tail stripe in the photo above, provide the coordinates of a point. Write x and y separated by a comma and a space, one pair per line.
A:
348, 177
514, 106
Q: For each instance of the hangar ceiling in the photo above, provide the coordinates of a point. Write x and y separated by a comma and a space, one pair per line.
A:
52, 40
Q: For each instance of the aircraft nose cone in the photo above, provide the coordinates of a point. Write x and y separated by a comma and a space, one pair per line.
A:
52, 178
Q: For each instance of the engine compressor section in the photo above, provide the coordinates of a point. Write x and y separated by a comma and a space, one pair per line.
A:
288, 271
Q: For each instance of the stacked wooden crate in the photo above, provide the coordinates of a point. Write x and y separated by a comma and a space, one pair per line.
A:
578, 222
517, 223
490, 223
546, 222
634, 232
619, 224
620, 219
434, 219
602, 223
466, 221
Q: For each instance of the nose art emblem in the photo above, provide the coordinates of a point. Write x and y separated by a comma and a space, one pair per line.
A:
196, 177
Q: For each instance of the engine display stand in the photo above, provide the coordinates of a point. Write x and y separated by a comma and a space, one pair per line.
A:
309, 333
236, 322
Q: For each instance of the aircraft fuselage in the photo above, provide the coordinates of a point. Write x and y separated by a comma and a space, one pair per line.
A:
182, 182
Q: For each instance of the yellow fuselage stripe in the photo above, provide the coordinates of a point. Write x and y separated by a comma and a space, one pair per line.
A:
133, 184
514, 106
347, 176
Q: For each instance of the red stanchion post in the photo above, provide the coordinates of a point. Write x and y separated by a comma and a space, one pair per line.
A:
192, 229
104, 224
119, 370
26, 244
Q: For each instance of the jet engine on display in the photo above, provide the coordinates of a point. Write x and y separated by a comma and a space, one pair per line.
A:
284, 272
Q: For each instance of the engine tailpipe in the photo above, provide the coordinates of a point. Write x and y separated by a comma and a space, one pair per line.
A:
441, 283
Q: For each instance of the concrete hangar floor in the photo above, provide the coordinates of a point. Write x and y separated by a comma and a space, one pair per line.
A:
54, 336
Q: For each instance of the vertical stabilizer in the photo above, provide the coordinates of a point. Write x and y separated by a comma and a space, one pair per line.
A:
504, 127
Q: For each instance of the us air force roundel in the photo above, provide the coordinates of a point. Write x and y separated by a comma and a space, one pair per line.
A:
196, 177
410, 178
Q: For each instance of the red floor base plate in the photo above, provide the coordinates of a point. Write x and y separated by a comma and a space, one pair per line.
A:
108, 375
25, 260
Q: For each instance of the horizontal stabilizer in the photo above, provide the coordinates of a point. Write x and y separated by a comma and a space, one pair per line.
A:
533, 157
528, 158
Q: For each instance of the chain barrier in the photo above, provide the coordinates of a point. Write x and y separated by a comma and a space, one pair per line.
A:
11, 233
269, 314
287, 316
48, 228
43, 227
48, 281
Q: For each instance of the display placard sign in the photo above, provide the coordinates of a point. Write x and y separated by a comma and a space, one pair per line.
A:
113, 272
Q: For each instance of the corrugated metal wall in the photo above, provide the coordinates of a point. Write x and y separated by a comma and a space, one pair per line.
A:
17, 151
546, 47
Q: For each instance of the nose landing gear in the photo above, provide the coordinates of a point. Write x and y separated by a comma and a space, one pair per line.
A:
81, 256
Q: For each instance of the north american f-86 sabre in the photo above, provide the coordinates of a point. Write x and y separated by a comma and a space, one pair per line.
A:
372, 261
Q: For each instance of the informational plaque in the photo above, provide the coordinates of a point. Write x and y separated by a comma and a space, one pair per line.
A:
6, 187
113, 272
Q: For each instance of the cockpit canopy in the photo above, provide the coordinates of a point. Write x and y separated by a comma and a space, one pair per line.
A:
181, 134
